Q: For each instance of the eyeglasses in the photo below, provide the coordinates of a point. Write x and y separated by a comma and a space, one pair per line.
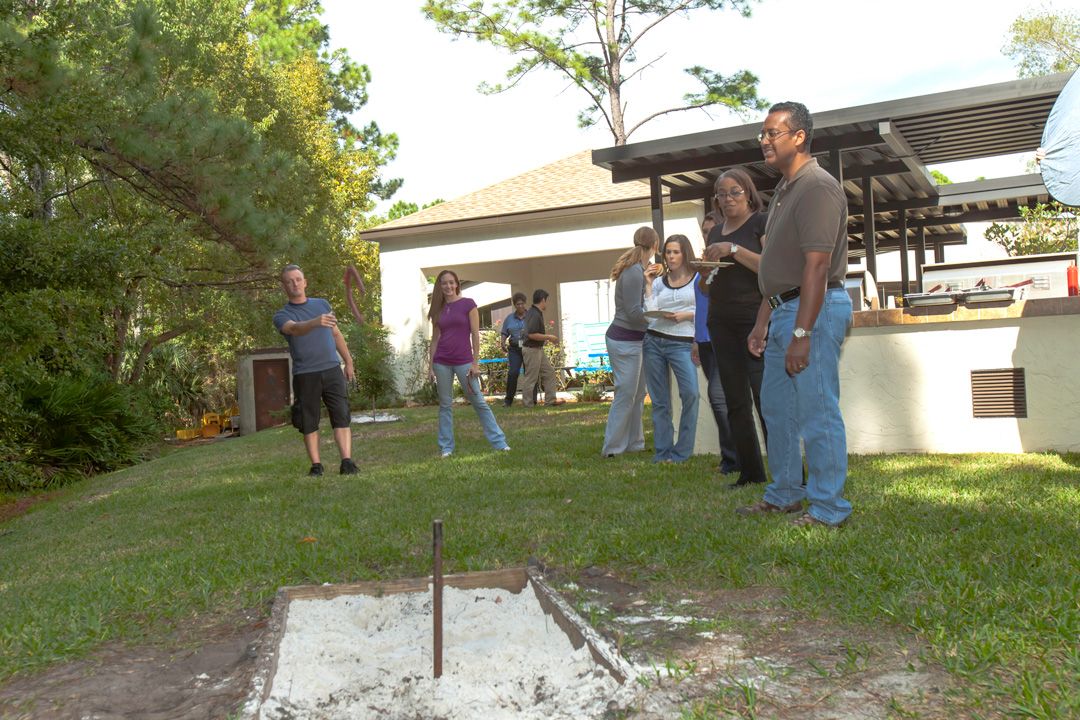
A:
734, 195
772, 134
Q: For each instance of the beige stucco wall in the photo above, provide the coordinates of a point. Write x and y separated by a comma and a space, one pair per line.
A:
529, 254
907, 388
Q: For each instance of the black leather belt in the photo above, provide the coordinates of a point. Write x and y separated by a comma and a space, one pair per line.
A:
776, 301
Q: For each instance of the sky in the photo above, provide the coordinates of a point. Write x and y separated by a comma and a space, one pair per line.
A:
828, 54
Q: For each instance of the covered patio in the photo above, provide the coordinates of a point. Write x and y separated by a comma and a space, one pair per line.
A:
880, 153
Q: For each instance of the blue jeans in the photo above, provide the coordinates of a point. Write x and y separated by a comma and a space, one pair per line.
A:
624, 432
444, 380
514, 363
714, 389
659, 355
807, 406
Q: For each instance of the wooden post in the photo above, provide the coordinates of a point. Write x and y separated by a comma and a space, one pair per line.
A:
436, 589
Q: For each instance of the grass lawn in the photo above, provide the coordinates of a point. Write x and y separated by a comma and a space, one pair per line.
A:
978, 554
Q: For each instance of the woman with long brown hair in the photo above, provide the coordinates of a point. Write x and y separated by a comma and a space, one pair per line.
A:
671, 302
624, 431
455, 350
734, 300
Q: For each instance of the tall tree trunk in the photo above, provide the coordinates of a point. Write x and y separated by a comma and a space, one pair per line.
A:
39, 181
115, 359
618, 128
148, 347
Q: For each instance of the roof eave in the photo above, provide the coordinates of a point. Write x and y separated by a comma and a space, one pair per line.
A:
388, 234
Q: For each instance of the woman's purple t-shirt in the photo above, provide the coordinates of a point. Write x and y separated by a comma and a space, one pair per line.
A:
455, 334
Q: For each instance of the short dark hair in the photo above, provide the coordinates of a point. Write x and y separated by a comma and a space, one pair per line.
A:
518, 297
539, 296
798, 119
714, 217
289, 268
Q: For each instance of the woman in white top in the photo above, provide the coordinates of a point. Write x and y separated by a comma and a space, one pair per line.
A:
670, 302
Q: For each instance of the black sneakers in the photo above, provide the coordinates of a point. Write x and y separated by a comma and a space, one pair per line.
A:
348, 467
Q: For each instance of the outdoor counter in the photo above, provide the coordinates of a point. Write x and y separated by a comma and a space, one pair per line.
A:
906, 377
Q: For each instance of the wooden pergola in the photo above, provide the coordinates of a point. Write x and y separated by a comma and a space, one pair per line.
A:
880, 153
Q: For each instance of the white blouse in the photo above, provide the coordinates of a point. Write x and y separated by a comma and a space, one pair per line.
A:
669, 299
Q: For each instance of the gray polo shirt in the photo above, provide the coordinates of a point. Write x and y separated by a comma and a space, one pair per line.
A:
809, 213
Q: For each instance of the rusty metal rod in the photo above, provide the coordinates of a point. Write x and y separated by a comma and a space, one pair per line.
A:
436, 589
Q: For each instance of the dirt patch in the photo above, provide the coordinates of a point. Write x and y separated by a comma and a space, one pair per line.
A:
730, 653
742, 653
204, 674
21, 505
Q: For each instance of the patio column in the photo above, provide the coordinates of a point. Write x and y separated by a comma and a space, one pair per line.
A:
836, 165
656, 202
868, 226
905, 277
920, 258
939, 252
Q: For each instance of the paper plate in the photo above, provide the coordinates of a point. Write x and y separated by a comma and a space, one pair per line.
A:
654, 314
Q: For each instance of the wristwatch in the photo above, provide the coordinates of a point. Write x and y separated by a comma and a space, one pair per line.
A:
798, 333
734, 249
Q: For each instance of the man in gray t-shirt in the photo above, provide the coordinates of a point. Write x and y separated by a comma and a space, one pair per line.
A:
315, 344
802, 279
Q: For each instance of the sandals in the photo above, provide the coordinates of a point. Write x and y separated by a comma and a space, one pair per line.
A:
766, 508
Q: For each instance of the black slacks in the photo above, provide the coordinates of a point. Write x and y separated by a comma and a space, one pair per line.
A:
740, 374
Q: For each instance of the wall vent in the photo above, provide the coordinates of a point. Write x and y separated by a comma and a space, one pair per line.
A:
999, 393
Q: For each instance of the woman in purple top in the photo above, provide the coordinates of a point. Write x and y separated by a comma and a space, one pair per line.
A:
455, 350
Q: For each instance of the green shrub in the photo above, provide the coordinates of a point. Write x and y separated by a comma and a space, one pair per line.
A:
82, 424
180, 380
17, 476
589, 393
373, 363
428, 394
596, 377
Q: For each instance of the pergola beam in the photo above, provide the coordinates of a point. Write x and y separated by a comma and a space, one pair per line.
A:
720, 159
892, 136
998, 213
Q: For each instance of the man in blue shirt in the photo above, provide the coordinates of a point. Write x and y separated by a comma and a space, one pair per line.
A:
511, 337
315, 343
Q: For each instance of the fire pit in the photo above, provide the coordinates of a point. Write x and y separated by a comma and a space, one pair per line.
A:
512, 647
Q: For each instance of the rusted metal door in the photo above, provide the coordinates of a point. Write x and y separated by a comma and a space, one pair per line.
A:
272, 386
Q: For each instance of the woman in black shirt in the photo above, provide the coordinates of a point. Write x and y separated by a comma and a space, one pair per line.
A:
734, 300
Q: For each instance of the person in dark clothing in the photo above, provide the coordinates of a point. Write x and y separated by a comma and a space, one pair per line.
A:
734, 300
702, 355
511, 337
537, 366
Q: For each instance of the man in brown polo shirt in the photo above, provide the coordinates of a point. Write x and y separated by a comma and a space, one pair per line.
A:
801, 325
